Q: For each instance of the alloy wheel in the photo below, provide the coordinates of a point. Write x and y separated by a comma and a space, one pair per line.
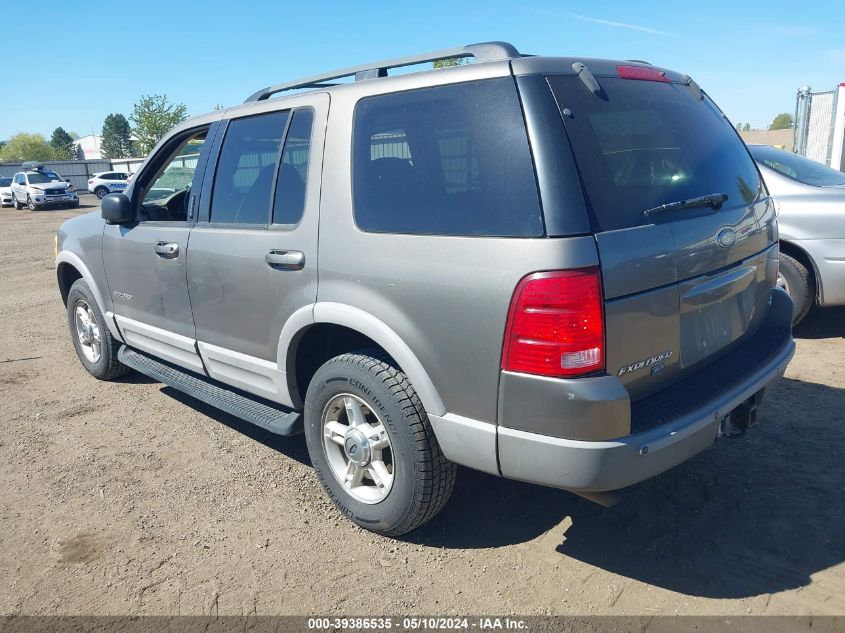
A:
357, 448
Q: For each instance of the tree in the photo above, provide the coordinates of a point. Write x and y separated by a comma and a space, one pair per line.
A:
153, 116
746, 127
450, 61
23, 147
116, 141
783, 121
739, 127
62, 144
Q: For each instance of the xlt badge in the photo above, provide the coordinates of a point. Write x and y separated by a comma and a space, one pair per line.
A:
647, 362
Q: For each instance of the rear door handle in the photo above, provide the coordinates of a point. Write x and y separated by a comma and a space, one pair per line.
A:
285, 260
168, 250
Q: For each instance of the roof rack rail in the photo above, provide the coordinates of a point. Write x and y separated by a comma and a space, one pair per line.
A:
482, 52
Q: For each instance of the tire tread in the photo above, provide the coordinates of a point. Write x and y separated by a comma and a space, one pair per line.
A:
435, 474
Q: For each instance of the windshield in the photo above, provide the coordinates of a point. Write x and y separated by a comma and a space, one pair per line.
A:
5, 182
797, 167
41, 177
644, 144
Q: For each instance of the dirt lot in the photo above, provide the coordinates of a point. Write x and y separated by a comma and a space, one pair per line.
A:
128, 497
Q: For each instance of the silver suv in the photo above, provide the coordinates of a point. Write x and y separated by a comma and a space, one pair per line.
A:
556, 270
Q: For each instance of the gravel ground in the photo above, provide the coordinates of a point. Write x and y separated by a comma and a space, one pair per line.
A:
130, 498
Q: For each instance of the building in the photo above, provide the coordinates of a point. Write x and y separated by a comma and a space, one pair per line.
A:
778, 138
88, 147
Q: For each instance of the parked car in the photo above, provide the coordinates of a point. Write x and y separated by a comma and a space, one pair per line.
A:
106, 182
812, 227
553, 270
5, 191
37, 187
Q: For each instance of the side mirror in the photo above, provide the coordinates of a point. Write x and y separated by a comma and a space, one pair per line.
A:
116, 208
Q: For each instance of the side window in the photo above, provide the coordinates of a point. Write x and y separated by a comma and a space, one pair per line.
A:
243, 182
450, 160
166, 194
289, 202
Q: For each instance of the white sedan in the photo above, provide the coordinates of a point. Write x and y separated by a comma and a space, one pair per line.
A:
107, 182
5, 191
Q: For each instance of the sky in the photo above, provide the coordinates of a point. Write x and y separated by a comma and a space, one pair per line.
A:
751, 56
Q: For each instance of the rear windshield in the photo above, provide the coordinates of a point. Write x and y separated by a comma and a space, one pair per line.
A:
797, 167
646, 143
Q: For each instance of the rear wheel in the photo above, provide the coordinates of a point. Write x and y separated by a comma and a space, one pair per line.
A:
101, 192
798, 282
372, 445
94, 344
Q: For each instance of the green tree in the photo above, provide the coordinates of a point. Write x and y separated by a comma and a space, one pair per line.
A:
739, 127
116, 141
62, 144
746, 127
153, 116
450, 61
27, 147
783, 121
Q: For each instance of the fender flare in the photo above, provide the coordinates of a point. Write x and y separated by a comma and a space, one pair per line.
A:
72, 259
371, 327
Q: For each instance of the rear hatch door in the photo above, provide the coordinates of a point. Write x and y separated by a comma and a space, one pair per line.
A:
682, 285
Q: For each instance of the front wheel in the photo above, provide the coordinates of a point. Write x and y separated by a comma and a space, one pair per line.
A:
797, 281
101, 192
18, 205
96, 347
372, 445
30, 204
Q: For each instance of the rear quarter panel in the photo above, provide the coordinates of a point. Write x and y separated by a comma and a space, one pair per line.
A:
446, 297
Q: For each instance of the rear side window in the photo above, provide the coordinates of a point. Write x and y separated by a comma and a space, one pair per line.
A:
243, 182
289, 202
450, 160
649, 143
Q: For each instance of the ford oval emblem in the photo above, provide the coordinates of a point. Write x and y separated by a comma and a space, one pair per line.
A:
726, 238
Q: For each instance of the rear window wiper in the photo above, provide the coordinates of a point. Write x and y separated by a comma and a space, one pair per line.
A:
712, 200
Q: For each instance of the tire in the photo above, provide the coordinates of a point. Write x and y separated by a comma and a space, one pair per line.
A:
18, 205
799, 284
105, 366
421, 478
101, 192
30, 204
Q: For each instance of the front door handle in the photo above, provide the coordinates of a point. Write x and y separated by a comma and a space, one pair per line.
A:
168, 250
285, 260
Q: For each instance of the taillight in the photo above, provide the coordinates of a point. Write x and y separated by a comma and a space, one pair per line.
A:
643, 74
556, 324
90, 181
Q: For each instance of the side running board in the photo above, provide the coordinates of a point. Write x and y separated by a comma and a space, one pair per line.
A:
275, 419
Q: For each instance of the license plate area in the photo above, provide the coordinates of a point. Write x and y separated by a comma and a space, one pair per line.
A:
716, 310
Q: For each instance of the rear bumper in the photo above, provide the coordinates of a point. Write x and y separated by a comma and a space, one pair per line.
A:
656, 444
